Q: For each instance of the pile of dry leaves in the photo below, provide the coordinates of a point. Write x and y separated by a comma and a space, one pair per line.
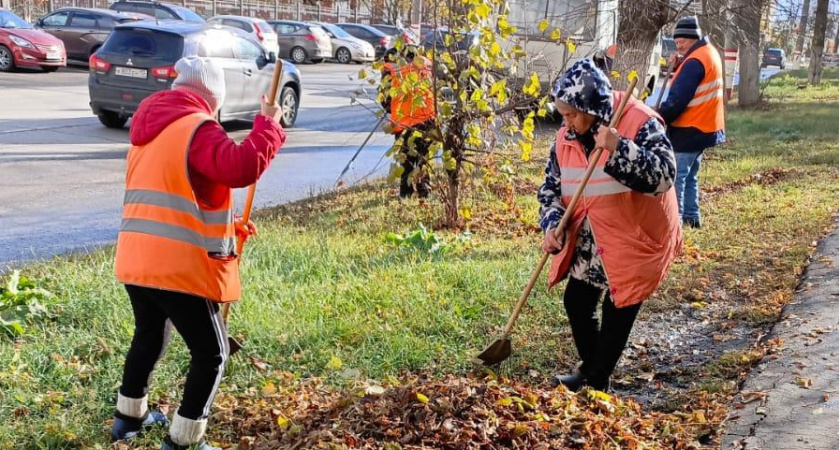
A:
454, 413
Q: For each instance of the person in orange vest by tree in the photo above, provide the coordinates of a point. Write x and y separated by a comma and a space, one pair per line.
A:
624, 232
408, 114
176, 245
693, 112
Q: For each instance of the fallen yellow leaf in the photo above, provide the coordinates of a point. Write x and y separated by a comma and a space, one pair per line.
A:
422, 398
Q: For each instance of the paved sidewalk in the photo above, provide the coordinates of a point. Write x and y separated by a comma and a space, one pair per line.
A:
800, 410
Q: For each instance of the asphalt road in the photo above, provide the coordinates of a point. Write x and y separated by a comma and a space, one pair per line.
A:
62, 173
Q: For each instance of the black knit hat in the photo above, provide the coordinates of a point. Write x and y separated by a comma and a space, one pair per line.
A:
688, 27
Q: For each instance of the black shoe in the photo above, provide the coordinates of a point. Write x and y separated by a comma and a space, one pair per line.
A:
693, 223
127, 428
573, 382
203, 445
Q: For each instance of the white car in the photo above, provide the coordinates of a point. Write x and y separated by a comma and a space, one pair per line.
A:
346, 48
261, 30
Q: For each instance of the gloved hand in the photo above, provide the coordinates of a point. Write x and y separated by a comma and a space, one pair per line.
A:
244, 230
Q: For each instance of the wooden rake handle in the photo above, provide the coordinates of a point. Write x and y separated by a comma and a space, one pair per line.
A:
665, 82
564, 222
252, 189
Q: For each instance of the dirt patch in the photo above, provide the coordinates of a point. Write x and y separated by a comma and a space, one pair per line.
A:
767, 178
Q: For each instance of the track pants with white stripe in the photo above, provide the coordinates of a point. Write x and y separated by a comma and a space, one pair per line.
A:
199, 322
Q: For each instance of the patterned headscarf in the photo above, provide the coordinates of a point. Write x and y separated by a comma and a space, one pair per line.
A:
586, 88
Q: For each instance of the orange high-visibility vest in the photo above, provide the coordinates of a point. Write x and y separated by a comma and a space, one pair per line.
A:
705, 110
637, 235
168, 240
418, 104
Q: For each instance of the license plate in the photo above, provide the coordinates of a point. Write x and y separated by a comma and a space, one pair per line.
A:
129, 72
53, 55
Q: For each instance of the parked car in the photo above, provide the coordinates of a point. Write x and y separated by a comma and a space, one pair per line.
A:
257, 27
158, 10
830, 60
301, 41
380, 41
346, 48
138, 60
437, 39
774, 57
21, 45
669, 47
83, 30
395, 32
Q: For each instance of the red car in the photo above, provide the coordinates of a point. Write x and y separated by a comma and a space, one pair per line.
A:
21, 45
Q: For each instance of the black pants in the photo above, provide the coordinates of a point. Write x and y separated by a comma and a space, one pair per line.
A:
416, 152
200, 324
599, 347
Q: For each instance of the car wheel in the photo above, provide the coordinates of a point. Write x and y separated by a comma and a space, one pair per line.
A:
343, 56
289, 103
298, 55
7, 60
112, 120
50, 68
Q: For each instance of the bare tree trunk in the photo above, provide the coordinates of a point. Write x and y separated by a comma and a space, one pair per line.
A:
454, 142
817, 43
638, 26
803, 27
749, 24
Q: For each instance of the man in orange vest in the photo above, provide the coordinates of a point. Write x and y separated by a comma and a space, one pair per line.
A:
409, 112
175, 250
624, 232
693, 112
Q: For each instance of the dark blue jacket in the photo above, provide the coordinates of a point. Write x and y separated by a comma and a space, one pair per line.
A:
688, 139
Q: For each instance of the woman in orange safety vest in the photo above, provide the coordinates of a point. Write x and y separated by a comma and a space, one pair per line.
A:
625, 230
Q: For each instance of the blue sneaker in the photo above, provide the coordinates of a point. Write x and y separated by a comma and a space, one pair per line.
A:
127, 428
203, 445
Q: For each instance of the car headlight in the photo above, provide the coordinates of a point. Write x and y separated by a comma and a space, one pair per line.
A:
22, 42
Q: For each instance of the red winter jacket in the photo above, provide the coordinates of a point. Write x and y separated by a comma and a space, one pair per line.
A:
215, 161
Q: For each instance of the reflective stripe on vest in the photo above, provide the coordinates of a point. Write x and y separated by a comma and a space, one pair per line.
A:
215, 243
705, 110
600, 183
155, 198
221, 246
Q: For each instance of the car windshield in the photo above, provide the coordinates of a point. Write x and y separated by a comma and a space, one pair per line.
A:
336, 31
773, 52
188, 15
9, 20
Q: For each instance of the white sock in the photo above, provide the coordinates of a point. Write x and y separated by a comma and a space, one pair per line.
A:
185, 431
132, 407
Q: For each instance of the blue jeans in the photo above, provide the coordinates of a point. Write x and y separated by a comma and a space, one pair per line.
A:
688, 194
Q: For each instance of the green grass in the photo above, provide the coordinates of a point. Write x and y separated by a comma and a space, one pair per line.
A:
320, 282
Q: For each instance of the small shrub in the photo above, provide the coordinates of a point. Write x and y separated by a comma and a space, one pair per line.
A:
21, 303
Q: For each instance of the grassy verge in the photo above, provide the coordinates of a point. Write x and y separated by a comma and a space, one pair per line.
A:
327, 295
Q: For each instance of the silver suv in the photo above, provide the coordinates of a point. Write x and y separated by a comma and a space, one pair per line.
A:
138, 60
